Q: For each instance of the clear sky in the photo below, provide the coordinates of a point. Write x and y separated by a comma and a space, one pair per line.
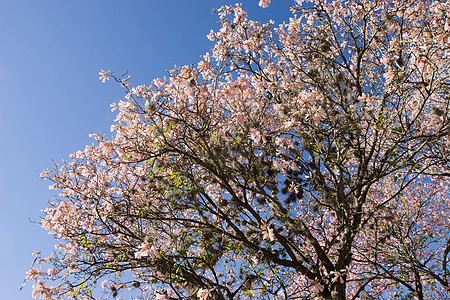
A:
51, 99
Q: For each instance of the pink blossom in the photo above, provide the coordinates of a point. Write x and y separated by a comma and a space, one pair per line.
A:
271, 69
146, 250
203, 293
255, 135
104, 75
161, 295
203, 66
42, 291
211, 36
269, 233
264, 3
33, 274
158, 82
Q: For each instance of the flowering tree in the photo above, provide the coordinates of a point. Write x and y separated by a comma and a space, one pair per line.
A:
309, 160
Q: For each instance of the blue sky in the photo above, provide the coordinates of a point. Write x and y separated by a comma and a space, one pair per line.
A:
51, 99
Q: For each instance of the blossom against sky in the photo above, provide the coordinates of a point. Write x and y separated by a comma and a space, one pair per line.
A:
51, 98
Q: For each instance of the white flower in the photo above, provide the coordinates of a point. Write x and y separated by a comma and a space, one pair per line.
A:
264, 3
104, 75
203, 293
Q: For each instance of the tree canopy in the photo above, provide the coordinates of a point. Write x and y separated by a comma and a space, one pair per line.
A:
306, 160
